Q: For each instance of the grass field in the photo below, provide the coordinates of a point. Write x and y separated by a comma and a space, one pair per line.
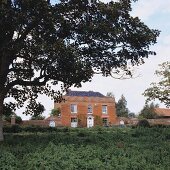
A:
88, 149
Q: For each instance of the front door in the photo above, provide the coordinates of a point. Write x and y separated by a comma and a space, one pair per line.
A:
90, 121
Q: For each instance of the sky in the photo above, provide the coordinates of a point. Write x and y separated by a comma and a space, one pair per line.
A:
155, 14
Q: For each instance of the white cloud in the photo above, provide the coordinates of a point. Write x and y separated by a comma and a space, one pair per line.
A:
166, 40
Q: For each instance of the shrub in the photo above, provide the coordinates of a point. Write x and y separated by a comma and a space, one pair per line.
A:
81, 134
12, 129
7, 161
143, 123
18, 119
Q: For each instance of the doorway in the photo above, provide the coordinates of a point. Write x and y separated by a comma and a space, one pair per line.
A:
90, 121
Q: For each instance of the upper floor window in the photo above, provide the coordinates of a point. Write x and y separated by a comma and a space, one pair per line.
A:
89, 109
104, 109
73, 108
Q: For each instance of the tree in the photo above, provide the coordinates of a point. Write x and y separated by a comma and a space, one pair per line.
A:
131, 115
148, 111
18, 119
110, 94
121, 107
38, 115
56, 112
160, 90
68, 42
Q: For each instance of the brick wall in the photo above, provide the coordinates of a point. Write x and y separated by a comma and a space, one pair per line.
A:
134, 121
165, 121
43, 123
82, 105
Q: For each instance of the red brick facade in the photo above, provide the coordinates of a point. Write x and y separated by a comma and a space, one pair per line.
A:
100, 108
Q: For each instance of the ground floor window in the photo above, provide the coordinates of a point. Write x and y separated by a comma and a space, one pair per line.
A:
73, 119
73, 122
105, 121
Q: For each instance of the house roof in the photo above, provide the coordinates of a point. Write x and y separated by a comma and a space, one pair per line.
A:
84, 93
162, 112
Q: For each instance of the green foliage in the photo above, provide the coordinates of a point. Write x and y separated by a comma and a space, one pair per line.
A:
56, 112
121, 107
35, 109
18, 119
7, 161
12, 129
148, 111
114, 148
8, 113
98, 120
8, 109
37, 117
160, 90
143, 123
131, 115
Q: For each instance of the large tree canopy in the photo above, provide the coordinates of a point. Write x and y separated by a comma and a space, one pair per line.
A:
161, 89
65, 42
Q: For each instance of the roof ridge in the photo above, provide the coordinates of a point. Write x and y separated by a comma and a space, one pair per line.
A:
84, 93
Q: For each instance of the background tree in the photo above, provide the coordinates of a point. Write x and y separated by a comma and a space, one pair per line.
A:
38, 115
56, 112
43, 43
8, 111
160, 90
131, 115
148, 111
110, 94
121, 107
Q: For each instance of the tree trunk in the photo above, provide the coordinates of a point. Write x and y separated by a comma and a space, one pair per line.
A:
1, 130
1, 122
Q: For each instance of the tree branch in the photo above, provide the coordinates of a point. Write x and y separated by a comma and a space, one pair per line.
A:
35, 82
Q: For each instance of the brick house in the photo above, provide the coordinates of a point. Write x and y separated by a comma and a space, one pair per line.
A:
87, 109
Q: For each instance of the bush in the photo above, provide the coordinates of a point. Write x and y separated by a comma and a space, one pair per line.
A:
12, 129
7, 161
143, 123
34, 129
18, 119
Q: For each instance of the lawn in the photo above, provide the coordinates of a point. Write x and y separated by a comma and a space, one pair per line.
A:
88, 149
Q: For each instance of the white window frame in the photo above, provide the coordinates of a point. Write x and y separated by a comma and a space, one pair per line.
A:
74, 120
89, 109
73, 108
104, 109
